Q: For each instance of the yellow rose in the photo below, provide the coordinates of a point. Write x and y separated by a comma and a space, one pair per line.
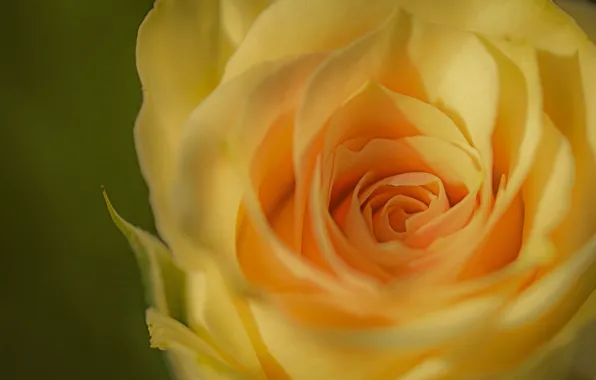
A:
370, 190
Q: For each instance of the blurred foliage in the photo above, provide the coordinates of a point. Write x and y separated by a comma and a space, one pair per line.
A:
71, 299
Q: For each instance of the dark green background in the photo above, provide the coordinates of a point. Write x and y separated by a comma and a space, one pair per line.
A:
71, 303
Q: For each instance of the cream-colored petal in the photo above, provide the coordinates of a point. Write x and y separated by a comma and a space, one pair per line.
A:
537, 22
526, 324
190, 353
180, 55
237, 17
212, 309
230, 324
307, 356
281, 33
341, 75
319, 216
569, 354
569, 99
519, 128
461, 78
547, 194
208, 187
427, 331
554, 288
517, 135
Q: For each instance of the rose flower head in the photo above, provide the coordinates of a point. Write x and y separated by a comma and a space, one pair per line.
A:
369, 190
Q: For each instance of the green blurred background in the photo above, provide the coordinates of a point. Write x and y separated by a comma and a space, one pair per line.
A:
71, 299
71, 303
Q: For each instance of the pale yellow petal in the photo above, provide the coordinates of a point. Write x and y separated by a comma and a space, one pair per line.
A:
538, 22
569, 353
208, 189
461, 78
211, 309
570, 102
190, 352
428, 331
547, 194
180, 53
533, 319
306, 356
517, 134
223, 314
237, 17
281, 33
552, 289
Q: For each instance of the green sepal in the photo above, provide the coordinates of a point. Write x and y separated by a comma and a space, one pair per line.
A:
164, 282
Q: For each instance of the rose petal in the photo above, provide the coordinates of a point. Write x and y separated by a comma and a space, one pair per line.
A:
237, 17
537, 22
554, 288
547, 194
517, 136
534, 318
427, 331
567, 354
550, 27
180, 56
291, 38
212, 154
568, 102
308, 357
184, 346
335, 80
375, 111
318, 211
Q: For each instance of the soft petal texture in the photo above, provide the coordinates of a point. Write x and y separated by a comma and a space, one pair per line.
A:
205, 142
567, 102
238, 15
308, 358
570, 352
181, 50
330, 28
167, 333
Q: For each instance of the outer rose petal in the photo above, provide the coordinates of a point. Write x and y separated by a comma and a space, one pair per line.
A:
570, 354
238, 16
181, 50
569, 103
334, 23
